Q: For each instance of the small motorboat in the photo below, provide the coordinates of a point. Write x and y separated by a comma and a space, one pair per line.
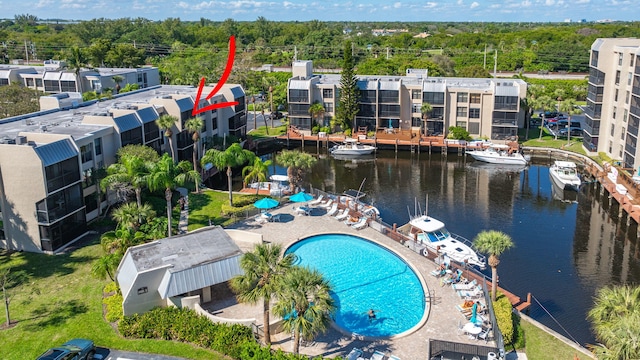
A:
499, 154
352, 147
564, 175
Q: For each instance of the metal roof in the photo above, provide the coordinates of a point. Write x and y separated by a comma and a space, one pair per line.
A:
367, 84
126, 122
55, 152
237, 92
195, 260
300, 84
147, 114
507, 90
185, 104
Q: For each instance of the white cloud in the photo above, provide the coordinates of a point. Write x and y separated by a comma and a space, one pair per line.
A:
43, 3
474, 5
460, 2
549, 2
583, 1
430, 5
397, 5
526, 3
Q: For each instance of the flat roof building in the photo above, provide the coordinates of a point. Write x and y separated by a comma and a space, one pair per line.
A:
48, 159
484, 107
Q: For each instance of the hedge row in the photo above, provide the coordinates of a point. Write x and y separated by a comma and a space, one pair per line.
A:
504, 316
171, 323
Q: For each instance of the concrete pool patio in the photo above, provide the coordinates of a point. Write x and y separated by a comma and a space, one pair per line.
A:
442, 321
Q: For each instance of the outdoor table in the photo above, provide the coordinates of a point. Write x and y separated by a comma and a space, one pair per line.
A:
471, 328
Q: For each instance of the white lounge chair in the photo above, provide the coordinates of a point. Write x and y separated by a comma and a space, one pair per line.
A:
351, 221
467, 286
354, 354
317, 201
327, 204
343, 216
470, 294
340, 213
393, 357
377, 355
361, 224
333, 210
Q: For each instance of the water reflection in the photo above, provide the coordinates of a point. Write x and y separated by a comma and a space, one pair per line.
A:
564, 250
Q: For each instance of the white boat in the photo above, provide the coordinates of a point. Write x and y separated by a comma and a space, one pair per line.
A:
499, 154
432, 234
352, 199
352, 147
564, 175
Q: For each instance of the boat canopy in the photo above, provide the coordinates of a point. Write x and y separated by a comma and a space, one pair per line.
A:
565, 164
427, 224
279, 178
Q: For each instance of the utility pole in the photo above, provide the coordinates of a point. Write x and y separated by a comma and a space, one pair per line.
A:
484, 64
495, 63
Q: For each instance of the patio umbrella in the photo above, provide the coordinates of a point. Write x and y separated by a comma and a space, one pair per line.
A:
266, 203
301, 197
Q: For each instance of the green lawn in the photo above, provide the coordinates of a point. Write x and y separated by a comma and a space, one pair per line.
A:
574, 145
261, 131
206, 206
540, 345
69, 305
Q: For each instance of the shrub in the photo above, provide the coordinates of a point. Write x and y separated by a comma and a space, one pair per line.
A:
347, 132
458, 133
504, 316
371, 134
325, 129
113, 303
315, 129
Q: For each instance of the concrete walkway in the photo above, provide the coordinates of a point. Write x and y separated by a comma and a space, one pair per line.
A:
184, 213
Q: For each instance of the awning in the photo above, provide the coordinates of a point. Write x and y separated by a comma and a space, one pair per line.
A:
237, 92
127, 122
4, 74
51, 75
66, 76
299, 84
434, 87
185, 104
367, 84
507, 90
56, 152
147, 114
389, 85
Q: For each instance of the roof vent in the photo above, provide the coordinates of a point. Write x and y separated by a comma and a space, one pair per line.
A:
43, 128
21, 140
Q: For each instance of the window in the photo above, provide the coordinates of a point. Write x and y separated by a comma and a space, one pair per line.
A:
143, 290
594, 58
631, 60
506, 103
327, 93
67, 86
97, 144
461, 111
462, 124
296, 95
474, 128
389, 96
328, 107
39, 83
463, 97
415, 94
62, 174
620, 151
433, 98
87, 178
629, 77
416, 121
620, 55
610, 146
622, 133
626, 114
86, 153
615, 109
368, 96
615, 96
474, 113
29, 82
416, 108
475, 99
626, 99
4, 82
617, 80
51, 86
613, 130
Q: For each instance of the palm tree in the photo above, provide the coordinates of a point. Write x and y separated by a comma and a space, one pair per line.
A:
616, 322
559, 95
528, 105
255, 118
297, 163
166, 175
234, 156
569, 106
257, 172
266, 126
305, 304
544, 102
77, 60
166, 123
131, 215
425, 109
263, 270
128, 170
105, 266
493, 243
194, 126
117, 79
119, 240
316, 110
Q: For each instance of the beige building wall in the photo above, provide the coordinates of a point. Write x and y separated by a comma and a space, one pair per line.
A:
22, 185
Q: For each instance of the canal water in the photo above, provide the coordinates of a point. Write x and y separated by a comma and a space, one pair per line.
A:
564, 250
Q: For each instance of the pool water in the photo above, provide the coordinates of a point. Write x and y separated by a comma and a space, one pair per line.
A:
365, 276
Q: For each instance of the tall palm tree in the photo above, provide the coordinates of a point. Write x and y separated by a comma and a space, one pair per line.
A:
528, 105
166, 124
117, 79
266, 126
494, 243
167, 175
263, 271
425, 109
128, 170
194, 126
569, 106
257, 172
305, 304
297, 163
616, 322
77, 60
131, 215
545, 103
234, 156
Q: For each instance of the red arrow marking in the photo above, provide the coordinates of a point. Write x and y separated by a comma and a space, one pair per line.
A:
223, 80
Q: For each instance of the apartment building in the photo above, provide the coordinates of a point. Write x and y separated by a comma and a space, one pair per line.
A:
612, 114
485, 107
48, 159
55, 77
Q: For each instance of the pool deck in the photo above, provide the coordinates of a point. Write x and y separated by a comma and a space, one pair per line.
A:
442, 320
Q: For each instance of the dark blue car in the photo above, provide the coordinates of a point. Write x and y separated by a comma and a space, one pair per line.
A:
76, 349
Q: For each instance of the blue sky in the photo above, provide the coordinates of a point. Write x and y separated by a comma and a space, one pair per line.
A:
330, 10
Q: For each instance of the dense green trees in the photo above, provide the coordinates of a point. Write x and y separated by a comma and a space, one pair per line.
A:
347, 108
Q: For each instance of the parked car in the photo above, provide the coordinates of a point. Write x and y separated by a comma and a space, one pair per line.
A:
550, 114
575, 132
76, 349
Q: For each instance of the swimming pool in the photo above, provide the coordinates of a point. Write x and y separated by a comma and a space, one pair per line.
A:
365, 276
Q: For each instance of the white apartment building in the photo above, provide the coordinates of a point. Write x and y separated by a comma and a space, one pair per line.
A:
485, 107
612, 115
48, 159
